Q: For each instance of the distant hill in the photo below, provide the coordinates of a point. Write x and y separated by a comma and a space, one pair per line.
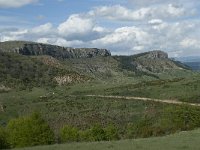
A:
193, 65
191, 61
37, 64
188, 59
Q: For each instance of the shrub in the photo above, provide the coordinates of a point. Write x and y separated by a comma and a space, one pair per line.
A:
3, 139
142, 129
85, 135
111, 132
29, 131
69, 134
181, 118
97, 133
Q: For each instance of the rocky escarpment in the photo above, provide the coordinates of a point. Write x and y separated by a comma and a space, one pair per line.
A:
31, 48
154, 61
156, 54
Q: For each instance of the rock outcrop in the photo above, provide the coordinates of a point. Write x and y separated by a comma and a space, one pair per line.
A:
156, 54
154, 61
31, 48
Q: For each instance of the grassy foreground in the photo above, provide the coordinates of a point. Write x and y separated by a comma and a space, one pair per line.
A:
179, 141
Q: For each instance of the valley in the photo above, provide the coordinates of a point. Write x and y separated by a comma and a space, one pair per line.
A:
137, 96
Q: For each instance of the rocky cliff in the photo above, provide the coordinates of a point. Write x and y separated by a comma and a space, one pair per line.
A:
31, 48
156, 54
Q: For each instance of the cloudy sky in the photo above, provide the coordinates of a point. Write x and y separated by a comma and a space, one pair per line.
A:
124, 27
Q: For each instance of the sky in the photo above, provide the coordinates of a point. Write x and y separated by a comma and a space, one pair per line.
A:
124, 27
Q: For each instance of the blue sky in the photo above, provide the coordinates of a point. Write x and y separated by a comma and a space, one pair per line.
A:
124, 27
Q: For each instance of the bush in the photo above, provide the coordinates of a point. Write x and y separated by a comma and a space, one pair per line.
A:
181, 118
69, 134
29, 131
97, 133
111, 132
94, 133
141, 129
172, 119
3, 139
85, 135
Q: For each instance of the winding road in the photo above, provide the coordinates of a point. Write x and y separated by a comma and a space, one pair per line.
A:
176, 102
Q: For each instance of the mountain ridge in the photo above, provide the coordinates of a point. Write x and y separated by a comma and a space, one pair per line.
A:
33, 48
70, 65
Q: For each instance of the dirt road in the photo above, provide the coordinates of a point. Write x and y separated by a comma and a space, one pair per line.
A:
147, 99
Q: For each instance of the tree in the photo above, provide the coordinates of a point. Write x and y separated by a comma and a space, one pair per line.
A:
29, 131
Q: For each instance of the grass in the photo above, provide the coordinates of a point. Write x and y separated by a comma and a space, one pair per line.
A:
60, 104
179, 141
183, 89
66, 105
59, 108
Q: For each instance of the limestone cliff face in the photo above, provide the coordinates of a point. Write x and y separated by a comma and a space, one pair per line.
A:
154, 61
156, 54
31, 48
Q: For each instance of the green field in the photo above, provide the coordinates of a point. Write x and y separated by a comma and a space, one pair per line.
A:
179, 141
183, 89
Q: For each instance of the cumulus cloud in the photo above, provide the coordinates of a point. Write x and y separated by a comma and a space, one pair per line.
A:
120, 13
44, 29
174, 37
157, 24
10, 35
60, 42
76, 25
124, 39
189, 42
15, 3
162, 26
80, 26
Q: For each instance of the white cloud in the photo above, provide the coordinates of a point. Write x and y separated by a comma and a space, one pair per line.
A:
124, 39
175, 10
60, 42
76, 25
190, 42
100, 29
132, 31
15, 3
120, 13
155, 21
81, 27
42, 29
13, 35
157, 24
173, 37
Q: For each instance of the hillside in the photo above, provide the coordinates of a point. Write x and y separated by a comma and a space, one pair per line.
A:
153, 63
90, 62
18, 71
